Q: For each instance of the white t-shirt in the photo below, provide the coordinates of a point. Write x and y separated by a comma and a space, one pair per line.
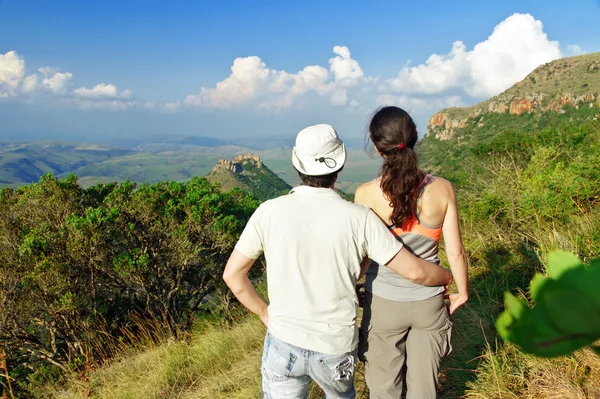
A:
314, 241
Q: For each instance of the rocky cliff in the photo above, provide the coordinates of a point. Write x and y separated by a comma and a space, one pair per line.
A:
236, 165
573, 81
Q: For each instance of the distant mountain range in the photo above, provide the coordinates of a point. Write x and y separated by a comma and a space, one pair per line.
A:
25, 162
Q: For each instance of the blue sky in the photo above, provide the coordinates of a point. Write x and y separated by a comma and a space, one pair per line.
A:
105, 70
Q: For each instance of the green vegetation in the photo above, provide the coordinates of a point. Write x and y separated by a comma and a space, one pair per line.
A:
566, 314
461, 159
86, 270
522, 194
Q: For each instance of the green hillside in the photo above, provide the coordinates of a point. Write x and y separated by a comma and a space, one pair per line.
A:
248, 173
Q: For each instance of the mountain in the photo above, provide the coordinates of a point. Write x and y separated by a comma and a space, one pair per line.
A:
562, 94
550, 88
249, 173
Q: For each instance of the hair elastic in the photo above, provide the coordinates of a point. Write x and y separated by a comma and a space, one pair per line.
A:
401, 146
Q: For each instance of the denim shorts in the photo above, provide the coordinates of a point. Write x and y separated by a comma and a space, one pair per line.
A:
287, 370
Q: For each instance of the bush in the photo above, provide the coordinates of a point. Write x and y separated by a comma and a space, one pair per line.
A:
79, 267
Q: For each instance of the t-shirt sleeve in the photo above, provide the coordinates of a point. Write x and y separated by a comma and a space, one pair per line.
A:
250, 243
380, 243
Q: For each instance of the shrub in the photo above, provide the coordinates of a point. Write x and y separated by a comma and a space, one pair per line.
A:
78, 267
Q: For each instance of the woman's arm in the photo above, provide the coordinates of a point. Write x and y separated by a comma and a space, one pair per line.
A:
455, 252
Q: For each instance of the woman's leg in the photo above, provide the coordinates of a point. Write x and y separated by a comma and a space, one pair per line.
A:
384, 327
426, 344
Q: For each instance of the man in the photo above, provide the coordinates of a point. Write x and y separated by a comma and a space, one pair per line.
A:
314, 242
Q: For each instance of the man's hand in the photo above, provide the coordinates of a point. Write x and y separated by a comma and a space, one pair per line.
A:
456, 301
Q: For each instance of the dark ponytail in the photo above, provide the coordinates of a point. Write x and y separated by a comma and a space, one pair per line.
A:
394, 135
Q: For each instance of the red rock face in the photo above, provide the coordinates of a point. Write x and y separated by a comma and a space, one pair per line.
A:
518, 107
437, 119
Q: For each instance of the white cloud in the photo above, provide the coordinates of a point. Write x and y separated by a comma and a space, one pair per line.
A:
248, 74
108, 104
171, 106
105, 96
251, 80
49, 82
103, 91
339, 96
574, 49
346, 70
439, 73
30, 84
55, 81
516, 47
12, 71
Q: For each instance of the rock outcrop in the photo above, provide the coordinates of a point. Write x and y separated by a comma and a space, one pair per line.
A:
236, 165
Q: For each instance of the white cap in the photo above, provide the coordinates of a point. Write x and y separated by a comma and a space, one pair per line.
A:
318, 151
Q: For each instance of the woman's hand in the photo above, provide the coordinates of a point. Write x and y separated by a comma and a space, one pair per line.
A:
456, 301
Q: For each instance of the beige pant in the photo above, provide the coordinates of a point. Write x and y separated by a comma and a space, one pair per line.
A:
394, 333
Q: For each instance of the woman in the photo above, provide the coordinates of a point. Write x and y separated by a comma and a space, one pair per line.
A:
403, 322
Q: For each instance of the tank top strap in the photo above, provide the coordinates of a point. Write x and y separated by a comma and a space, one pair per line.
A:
419, 190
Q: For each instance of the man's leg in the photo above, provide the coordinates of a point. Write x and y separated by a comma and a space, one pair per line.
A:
384, 328
334, 374
427, 343
284, 370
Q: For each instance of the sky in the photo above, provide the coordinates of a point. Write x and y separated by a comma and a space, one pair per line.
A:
110, 70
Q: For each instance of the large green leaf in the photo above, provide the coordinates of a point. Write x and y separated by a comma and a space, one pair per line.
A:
565, 315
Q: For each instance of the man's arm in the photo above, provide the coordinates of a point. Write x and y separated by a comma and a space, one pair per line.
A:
418, 270
236, 278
